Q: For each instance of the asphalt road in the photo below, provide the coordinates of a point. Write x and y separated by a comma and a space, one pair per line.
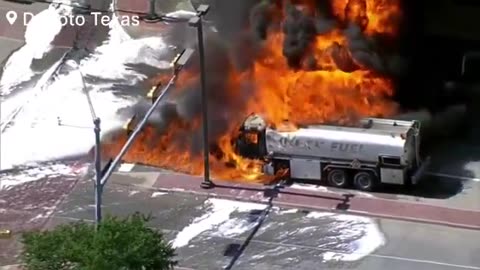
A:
283, 239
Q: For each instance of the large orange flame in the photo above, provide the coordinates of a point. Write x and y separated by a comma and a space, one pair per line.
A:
374, 16
325, 94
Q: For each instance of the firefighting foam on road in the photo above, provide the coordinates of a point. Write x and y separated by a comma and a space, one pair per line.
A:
301, 62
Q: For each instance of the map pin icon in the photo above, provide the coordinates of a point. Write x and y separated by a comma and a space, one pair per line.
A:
11, 16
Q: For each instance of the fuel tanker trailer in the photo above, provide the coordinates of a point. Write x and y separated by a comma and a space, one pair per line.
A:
377, 151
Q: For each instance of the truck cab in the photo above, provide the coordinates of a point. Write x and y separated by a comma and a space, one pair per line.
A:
251, 140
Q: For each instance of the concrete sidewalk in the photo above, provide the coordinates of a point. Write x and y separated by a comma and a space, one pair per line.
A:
342, 202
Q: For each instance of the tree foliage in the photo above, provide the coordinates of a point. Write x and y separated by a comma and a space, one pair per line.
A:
117, 244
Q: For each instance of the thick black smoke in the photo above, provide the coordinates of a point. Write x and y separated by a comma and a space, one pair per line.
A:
184, 104
300, 32
378, 53
228, 46
302, 27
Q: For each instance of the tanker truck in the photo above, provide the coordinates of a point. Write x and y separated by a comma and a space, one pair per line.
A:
378, 151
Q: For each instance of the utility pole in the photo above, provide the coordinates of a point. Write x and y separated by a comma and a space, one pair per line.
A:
197, 22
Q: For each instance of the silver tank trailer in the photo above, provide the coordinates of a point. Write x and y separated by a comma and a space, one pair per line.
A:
377, 137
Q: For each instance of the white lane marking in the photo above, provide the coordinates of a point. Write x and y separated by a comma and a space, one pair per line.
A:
453, 176
459, 266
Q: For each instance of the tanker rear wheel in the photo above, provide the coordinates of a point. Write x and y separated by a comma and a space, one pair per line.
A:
365, 181
337, 178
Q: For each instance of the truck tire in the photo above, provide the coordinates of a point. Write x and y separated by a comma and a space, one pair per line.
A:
364, 181
337, 178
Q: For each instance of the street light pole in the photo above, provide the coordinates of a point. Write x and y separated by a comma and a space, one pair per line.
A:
197, 22
98, 187
152, 16
98, 173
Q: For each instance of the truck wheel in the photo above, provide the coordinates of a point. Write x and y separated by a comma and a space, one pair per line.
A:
364, 181
337, 178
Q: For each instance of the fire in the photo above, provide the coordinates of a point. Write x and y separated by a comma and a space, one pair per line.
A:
330, 86
374, 16
319, 96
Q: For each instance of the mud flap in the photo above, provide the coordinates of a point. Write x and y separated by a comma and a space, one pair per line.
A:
268, 169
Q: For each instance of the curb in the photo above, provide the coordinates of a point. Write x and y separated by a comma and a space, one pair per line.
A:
307, 207
11, 267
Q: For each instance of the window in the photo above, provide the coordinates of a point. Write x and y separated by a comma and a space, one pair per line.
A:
251, 138
390, 161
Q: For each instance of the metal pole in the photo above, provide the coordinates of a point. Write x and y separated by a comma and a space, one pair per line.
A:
207, 183
152, 11
135, 133
98, 187
152, 16
98, 173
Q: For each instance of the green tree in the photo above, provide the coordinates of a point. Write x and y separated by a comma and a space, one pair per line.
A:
127, 244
